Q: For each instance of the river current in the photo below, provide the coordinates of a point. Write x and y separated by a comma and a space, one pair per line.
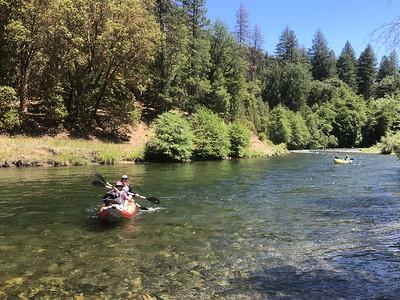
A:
291, 227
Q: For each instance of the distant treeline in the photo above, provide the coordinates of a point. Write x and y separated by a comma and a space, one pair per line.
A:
85, 65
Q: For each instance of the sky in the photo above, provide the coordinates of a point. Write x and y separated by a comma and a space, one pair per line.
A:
339, 20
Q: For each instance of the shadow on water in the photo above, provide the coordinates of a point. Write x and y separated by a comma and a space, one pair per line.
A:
288, 282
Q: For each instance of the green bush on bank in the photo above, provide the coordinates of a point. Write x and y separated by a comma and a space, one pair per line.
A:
391, 143
239, 137
172, 141
10, 117
212, 139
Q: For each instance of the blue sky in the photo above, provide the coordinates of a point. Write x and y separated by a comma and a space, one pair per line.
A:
339, 20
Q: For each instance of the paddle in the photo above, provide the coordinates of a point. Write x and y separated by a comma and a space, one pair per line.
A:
100, 180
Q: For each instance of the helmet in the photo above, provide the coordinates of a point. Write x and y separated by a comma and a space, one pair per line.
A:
124, 177
119, 183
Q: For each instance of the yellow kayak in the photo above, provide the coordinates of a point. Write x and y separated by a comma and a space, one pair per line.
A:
340, 161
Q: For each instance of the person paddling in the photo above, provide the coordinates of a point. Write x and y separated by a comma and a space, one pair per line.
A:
127, 188
116, 196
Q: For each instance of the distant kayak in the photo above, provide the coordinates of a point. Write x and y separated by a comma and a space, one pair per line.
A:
341, 161
116, 213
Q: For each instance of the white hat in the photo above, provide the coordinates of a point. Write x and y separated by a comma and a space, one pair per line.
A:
124, 177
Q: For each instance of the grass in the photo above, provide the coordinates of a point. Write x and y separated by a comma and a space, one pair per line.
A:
64, 151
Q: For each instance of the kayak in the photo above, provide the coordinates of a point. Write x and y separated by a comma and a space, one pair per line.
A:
340, 161
116, 213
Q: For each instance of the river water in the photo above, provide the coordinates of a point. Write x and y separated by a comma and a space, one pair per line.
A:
293, 227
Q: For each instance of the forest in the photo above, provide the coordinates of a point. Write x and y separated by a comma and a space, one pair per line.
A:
98, 67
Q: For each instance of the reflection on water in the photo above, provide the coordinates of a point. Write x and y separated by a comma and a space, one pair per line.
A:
290, 227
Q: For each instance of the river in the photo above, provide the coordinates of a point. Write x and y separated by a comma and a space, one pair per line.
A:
292, 227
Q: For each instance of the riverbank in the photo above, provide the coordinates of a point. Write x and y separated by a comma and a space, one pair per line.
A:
21, 151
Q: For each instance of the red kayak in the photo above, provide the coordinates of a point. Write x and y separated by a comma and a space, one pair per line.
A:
116, 213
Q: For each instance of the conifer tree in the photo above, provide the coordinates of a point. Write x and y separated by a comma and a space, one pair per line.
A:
323, 61
388, 66
366, 72
287, 49
347, 66
242, 28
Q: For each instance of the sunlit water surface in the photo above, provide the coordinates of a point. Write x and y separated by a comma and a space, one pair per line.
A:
291, 227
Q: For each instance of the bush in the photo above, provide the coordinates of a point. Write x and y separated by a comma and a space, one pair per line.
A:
10, 118
239, 137
212, 140
279, 127
300, 138
173, 139
391, 143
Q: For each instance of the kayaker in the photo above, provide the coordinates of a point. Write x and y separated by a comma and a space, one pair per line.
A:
124, 180
127, 187
347, 157
117, 195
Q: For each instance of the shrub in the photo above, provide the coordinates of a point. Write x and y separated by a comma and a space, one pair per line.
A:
391, 143
279, 127
239, 137
10, 118
212, 140
173, 139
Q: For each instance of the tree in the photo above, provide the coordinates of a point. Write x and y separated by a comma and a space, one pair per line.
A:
388, 66
107, 60
171, 57
194, 75
323, 61
300, 138
256, 55
242, 28
172, 141
279, 128
287, 84
366, 72
25, 35
350, 117
287, 49
347, 66
212, 139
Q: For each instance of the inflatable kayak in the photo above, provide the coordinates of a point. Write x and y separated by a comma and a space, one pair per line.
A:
116, 213
340, 161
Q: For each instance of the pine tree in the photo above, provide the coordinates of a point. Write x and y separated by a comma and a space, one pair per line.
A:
287, 49
388, 66
256, 55
323, 61
242, 31
347, 66
197, 66
366, 72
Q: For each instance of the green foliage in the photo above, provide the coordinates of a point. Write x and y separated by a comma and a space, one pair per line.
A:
287, 49
279, 127
323, 59
391, 143
287, 84
388, 86
383, 118
320, 92
350, 117
172, 141
346, 66
366, 72
319, 124
212, 139
388, 66
300, 137
239, 137
10, 118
